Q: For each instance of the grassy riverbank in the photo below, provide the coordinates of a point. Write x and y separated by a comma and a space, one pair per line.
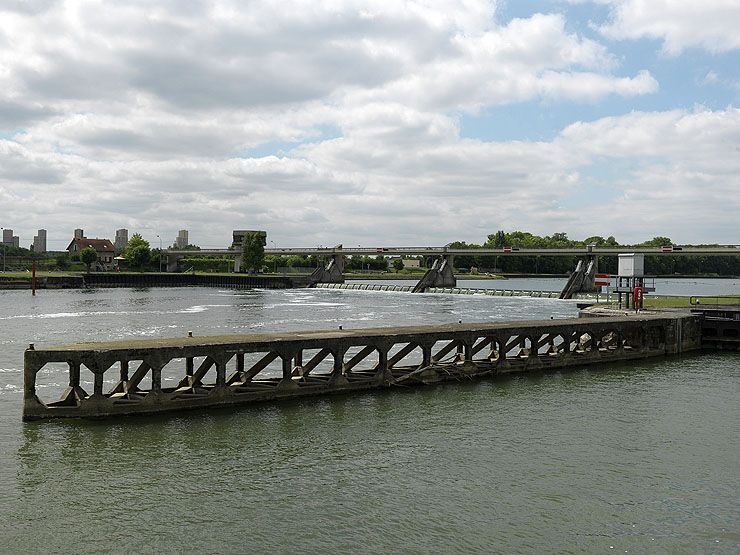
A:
664, 301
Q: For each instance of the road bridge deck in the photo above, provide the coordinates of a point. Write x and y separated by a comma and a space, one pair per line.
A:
730, 250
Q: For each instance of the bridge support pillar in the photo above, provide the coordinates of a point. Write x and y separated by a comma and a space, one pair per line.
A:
172, 262
439, 275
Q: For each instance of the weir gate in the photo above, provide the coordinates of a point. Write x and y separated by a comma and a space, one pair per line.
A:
153, 376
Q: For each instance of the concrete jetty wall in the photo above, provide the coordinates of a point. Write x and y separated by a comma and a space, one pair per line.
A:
105, 280
153, 376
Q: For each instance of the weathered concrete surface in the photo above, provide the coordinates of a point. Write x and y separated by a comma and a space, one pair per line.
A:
333, 272
439, 275
582, 280
261, 367
43, 282
720, 326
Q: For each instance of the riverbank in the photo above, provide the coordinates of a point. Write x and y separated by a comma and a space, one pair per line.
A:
673, 301
137, 280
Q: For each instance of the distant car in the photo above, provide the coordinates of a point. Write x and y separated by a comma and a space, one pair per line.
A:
669, 248
511, 249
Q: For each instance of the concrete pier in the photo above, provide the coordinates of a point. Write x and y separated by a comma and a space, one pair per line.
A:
154, 376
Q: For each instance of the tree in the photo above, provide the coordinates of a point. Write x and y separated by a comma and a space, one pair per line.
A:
134, 242
253, 252
398, 264
155, 259
88, 255
656, 242
139, 257
62, 260
137, 253
497, 240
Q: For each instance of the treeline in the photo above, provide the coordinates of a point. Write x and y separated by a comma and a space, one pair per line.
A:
654, 265
353, 263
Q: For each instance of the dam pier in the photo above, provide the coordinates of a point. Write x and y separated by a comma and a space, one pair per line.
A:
140, 377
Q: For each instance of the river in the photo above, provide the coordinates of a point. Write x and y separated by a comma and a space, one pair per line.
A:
638, 457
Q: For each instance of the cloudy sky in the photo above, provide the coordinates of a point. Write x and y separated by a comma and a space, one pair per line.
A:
414, 122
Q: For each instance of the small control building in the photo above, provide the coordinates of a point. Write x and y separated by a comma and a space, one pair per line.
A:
631, 276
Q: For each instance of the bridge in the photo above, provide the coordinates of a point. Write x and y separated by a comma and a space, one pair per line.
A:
724, 250
441, 272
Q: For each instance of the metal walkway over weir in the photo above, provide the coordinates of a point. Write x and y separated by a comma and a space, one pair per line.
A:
153, 376
451, 290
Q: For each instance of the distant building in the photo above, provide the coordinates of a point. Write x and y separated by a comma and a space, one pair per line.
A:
239, 234
8, 237
79, 233
105, 249
39, 241
121, 240
16, 241
182, 239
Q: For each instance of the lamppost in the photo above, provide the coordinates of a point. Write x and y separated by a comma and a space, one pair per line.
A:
160, 253
274, 258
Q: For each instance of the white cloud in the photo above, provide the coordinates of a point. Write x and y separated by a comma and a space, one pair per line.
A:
129, 75
681, 173
140, 116
710, 24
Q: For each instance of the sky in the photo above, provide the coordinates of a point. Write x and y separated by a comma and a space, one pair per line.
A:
370, 123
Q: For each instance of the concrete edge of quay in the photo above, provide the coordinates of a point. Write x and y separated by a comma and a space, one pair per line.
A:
105, 280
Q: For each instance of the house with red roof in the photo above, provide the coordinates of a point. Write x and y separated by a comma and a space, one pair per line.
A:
105, 249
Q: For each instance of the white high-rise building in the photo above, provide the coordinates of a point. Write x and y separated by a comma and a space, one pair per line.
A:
39, 241
121, 240
182, 240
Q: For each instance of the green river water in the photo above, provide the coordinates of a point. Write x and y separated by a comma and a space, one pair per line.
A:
637, 458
